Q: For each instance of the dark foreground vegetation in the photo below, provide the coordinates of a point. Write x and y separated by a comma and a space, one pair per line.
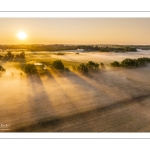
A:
131, 63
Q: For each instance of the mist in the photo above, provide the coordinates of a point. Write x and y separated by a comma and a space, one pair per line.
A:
110, 100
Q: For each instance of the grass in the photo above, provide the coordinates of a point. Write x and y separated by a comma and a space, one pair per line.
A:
65, 104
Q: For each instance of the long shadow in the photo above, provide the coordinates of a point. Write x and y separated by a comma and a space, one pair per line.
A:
71, 97
57, 76
39, 113
110, 86
53, 123
56, 121
130, 88
88, 80
39, 102
51, 76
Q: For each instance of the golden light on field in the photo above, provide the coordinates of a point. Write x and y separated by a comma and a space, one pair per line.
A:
22, 35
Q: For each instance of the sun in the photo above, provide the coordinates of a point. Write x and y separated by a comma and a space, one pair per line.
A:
22, 35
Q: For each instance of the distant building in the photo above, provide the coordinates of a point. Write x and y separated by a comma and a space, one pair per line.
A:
80, 50
38, 64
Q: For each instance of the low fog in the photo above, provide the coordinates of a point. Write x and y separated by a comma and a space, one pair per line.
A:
110, 100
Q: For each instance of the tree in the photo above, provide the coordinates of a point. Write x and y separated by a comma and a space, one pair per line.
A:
92, 66
115, 64
82, 68
30, 69
58, 65
129, 63
20, 57
8, 57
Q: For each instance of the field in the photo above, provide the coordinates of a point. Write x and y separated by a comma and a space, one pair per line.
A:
111, 100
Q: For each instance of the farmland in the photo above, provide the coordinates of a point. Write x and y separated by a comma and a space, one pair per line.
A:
110, 100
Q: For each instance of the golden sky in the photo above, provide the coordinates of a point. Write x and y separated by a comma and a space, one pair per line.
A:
76, 30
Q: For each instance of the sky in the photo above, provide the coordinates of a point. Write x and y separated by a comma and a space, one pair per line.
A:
132, 31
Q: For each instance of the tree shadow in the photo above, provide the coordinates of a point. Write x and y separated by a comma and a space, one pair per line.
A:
52, 77
40, 104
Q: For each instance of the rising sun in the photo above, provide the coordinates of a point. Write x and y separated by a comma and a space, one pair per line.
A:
22, 35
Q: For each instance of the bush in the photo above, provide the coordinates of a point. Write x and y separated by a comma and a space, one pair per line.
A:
92, 66
8, 57
58, 53
30, 69
67, 69
20, 57
143, 61
103, 66
83, 68
1, 68
115, 64
74, 68
129, 63
58, 65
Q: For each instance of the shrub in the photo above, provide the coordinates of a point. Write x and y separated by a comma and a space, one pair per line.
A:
92, 66
129, 63
20, 57
8, 57
1, 68
143, 61
58, 65
58, 53
74, 68
67, 69
83, 68
103, 66
115, 64
30, 69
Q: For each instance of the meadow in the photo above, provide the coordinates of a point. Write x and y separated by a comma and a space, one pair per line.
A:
109, 100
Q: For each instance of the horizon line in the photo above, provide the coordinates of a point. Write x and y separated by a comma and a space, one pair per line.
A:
76, 44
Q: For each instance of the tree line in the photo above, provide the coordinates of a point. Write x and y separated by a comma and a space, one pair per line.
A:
83, 67
61, 47
9, 56
130, 63
117, 49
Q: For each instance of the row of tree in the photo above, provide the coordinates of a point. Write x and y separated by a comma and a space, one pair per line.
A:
90, 66
117, 49
130, 63
52, 47
61, 47
83, 67
11, 57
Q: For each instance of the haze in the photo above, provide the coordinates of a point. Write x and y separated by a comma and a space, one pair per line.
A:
76, 30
